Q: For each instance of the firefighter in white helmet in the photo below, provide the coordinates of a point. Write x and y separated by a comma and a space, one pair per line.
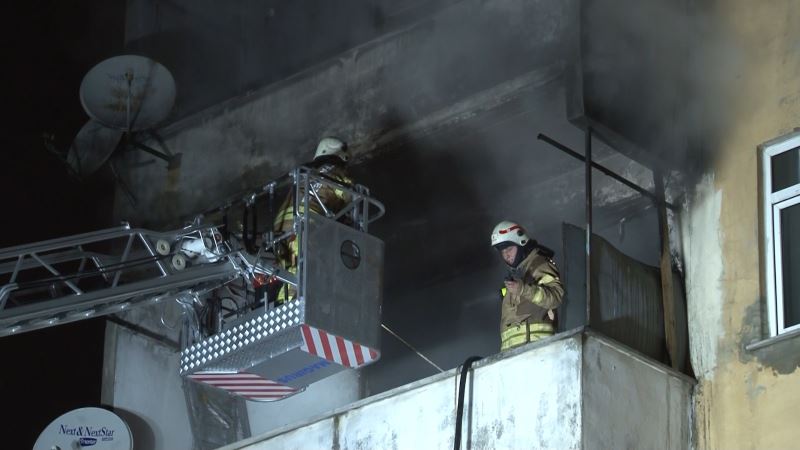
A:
330, 160
532, 290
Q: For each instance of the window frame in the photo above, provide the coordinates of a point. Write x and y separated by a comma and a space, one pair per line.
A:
773, 203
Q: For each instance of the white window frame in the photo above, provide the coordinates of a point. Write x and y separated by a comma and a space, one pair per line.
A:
773, 203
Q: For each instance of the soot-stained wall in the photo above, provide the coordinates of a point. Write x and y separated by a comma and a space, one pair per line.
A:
442, 119
726, 74
652, 72
217, 51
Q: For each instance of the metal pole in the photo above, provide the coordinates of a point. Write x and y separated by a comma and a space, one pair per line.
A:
122, 261
607, 171
588, 177
301, 235
129, 79
151, 151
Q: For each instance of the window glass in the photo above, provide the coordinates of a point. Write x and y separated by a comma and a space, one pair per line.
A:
790, 258
785, 169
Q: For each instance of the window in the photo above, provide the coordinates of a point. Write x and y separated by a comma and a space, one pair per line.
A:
781, 175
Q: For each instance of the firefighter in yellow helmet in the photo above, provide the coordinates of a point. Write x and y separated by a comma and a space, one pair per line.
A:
330, 160
532, 288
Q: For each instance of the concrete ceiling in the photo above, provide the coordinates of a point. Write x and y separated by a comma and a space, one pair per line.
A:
220, 51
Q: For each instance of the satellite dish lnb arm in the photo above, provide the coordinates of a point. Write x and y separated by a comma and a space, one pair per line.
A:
172, 161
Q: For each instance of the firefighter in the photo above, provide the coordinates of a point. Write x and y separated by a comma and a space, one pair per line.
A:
330, 160
532, 288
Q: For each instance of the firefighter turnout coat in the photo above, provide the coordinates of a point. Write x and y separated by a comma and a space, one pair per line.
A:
333, 199
529, 315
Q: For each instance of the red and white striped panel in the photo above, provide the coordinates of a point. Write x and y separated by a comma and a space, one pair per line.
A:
247, 385
336, 349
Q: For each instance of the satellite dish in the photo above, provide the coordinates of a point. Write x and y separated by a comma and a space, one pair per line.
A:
92, 147
126, 97
128, 93
93, 428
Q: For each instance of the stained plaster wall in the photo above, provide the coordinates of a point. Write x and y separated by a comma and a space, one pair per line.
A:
706, 84
151, 412
544, 414
216, 51
745, 398
631, 402
572, 391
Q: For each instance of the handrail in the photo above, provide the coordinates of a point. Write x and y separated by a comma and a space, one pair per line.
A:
290, 178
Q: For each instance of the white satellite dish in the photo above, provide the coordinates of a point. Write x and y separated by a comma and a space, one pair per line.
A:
126, 97
94, 428
128, 93
93, 145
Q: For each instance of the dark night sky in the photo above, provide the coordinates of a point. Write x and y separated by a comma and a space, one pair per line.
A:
48, 46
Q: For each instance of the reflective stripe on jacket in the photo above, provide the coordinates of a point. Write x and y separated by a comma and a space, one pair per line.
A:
523, 333
525, 316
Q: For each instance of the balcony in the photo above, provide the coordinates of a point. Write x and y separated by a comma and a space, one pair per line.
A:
578, 389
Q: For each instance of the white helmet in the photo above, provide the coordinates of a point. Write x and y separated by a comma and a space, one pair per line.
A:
331, 146
507, 232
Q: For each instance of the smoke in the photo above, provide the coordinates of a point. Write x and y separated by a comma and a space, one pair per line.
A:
442, 117
221, 50
662, 74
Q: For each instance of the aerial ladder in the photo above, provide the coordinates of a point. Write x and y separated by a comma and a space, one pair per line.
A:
233, 337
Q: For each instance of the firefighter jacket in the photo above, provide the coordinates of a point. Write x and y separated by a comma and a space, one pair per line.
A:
528, 315
333, 199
